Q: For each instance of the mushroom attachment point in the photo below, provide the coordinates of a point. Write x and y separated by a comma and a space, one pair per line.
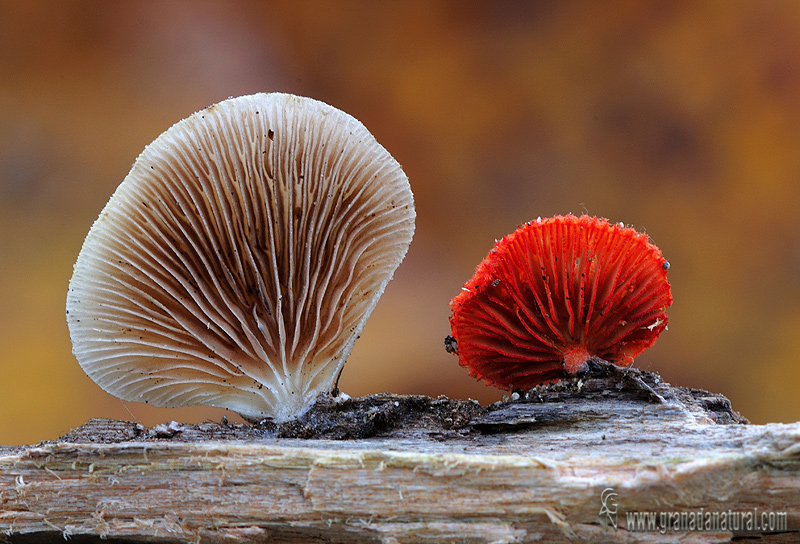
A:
556, 294
238, 261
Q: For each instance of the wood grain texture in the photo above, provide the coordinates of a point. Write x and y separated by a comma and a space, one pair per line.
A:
527, 470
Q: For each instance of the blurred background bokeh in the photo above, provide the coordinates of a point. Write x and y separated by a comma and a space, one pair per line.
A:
678, 118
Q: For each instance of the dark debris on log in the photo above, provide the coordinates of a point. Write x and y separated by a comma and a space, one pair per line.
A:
386, 415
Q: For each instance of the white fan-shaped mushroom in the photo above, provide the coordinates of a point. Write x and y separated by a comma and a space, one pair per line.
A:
238, 261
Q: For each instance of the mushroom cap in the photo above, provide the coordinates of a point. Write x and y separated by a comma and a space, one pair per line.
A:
556, 293
238, 261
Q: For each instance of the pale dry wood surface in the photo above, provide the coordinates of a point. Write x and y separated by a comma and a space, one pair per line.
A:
392, 469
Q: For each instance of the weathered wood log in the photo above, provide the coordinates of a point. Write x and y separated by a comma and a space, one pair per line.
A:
561, 463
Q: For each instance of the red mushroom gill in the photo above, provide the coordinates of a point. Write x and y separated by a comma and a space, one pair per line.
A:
556, 293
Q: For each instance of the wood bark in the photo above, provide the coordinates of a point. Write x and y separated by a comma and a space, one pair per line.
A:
393, 469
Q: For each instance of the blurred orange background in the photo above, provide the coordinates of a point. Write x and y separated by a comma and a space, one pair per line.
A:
678, 118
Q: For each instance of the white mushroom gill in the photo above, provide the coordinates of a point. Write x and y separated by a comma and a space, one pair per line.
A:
238, 261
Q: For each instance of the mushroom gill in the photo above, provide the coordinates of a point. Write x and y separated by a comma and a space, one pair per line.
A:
238, 261
555, 294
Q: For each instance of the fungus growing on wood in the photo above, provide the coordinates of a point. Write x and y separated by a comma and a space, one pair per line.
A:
554, 295
238, 261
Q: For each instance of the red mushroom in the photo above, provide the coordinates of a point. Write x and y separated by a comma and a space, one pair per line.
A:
555, 294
